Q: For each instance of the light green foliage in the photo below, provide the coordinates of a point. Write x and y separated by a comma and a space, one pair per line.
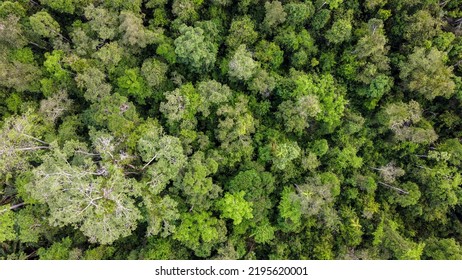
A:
162, 213
7, 231
212, 95
180, 104
351, 227
440, 190
402, 248
186, 10
333, 4
298, 14
235, 207
95, 83
269, 54
411, 198
154, 72
133, 84
102, 21
405, 120
32, 224
64, 6
60, 251
296, 115
20, 137
257, 187
98, 200
242, 66
162, 154
274, 16
196, 184
134, 33
317, 194
320, 19
442, 249
340, 31
241, 31
330, 96
44, 25
113, 112
192, 129
194, 50
235, 122
8, 8
58, 75
284, 153
371, 50
290, 210
346, 158
422, 26
263, 83
425, 72
200, 232
18, 75
110, 54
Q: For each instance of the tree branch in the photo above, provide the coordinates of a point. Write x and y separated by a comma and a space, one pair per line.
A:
394, 188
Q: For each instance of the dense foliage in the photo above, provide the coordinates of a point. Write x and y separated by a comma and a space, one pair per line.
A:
220, 129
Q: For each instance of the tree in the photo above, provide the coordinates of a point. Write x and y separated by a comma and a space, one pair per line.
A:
298, 14
162, 214
20, 137
442, 249
96, 199
339, 32
200, 232
18, 75
45, 25
242, 66
186, 10
371, 51
56, 106
257, 186
11, 33
406, 121
180, 105
102, 21
263, 83
162, 155
284, 153
274, 16
134, 33
94, 80
421, 26
242, 31
154, 71
113, 112
7, 231
194, 50
196, 183
212, 95
269, 54
425, 72
132, 83
331, 97
297, 115
235, 207
60, 251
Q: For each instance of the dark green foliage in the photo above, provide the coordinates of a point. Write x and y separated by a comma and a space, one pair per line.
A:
191, 129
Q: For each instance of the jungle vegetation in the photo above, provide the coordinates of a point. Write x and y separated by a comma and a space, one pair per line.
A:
230, 129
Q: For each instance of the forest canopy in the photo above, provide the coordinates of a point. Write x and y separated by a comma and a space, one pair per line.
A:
230, 129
